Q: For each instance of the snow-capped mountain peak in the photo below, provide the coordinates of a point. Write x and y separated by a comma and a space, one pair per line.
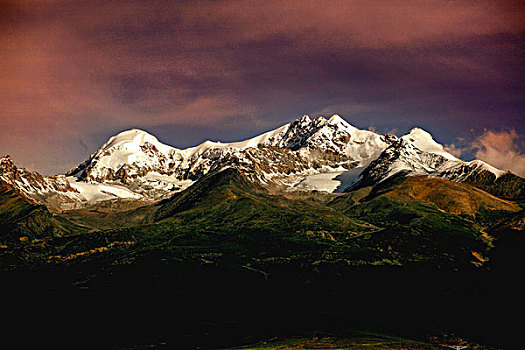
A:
340, 122
295, 134
7, 164
132, 147
461, 170
424, 141
334, 135
485, 166
132, 140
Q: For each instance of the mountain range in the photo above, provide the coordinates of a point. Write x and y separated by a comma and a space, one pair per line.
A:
317, 214
327, 155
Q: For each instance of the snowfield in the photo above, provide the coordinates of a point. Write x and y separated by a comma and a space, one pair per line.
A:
100, 192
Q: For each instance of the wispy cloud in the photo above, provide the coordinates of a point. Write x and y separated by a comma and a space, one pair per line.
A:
503, 149
500, 148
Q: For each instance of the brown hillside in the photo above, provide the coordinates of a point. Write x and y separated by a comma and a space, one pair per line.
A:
451, 197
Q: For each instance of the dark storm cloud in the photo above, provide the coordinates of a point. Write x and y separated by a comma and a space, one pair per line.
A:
227, 70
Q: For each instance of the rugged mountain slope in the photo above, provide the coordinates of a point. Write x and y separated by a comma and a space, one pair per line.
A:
412, 220
508, 185
59, 192
416, 153
23, 220
51, 190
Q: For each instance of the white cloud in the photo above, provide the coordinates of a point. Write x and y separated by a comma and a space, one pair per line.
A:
502, 149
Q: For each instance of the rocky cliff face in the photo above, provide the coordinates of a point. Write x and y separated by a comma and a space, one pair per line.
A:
54, 191
57, 192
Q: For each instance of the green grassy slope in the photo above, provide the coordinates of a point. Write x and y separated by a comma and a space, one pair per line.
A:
227, 201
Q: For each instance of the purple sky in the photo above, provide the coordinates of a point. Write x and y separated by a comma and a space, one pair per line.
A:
73, 73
